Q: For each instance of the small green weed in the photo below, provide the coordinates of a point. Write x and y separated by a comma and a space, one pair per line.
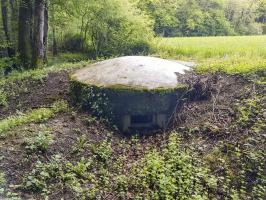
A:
39, 178
102, 151
249, 111
80, 144
40, 142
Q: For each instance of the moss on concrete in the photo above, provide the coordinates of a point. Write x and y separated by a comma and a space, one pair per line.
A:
113, 103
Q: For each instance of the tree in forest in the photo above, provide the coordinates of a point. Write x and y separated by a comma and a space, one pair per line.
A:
242, 16
106, 28
25, 33
40, 33
7, 27
32, 34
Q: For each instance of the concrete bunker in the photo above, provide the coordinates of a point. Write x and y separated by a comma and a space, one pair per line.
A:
133, 91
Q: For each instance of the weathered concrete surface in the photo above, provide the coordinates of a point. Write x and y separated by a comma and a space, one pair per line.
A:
134, 72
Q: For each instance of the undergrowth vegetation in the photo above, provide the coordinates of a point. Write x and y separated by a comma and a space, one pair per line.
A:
3, 99
37, 115
171, 174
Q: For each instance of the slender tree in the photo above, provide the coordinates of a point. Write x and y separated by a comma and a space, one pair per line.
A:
7, 27
53, 24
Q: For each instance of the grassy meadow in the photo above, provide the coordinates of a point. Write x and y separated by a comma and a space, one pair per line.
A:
234, 54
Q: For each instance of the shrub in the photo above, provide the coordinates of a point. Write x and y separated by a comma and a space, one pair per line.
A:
72, 43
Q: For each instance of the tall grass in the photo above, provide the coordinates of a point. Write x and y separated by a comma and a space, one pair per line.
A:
235, 54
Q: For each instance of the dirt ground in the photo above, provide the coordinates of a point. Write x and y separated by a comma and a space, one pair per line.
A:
29, 93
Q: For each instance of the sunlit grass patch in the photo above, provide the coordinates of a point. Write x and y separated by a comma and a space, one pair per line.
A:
36, 115
236, 54
233, 65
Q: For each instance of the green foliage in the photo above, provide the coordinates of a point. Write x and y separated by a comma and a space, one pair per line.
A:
64, 58
239, 165
102, 151
80, 144
172, 174
72, 43
37, 115
38, 179
2, 179
71, 175
40, 142
109, 28
3, 98
6, 65
242, 16
5, 193
203, 17
249, 112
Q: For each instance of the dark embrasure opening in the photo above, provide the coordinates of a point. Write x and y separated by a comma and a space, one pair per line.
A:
141, 119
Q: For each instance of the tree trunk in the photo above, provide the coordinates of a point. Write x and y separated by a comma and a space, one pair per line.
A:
24, 33
54, 45
39, 34
45, 38
55, 52
7, 27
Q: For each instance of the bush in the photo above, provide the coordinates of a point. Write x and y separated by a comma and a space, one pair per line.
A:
7, 65
72, 43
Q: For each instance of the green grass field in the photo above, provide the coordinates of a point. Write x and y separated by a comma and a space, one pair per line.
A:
236, 54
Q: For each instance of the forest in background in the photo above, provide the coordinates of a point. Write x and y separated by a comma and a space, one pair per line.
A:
33, 29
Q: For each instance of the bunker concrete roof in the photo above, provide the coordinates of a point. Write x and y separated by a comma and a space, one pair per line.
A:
135, 72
